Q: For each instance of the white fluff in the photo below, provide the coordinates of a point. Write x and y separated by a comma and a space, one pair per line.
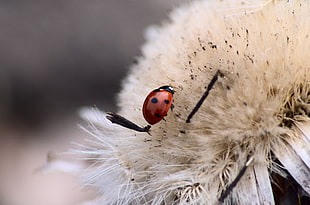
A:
261, 107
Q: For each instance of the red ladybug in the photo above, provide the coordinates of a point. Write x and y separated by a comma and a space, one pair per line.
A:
157, 104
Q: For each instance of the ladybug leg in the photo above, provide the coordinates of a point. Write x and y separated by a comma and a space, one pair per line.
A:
172, 107
204, 96
115, 118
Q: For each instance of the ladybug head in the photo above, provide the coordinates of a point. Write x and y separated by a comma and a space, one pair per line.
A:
167, 88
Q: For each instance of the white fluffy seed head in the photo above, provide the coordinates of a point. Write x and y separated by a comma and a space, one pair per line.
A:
260, 107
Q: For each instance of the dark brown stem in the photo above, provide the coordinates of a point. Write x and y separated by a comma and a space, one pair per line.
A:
204, 96
228, 190
117, 119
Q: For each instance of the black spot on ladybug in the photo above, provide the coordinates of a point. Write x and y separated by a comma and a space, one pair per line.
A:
157, 115
154, 100
166, 101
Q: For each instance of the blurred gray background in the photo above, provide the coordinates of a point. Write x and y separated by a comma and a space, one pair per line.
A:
55, 57
60, 54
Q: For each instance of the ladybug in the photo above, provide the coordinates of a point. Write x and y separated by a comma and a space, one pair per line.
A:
157, 104
155, 108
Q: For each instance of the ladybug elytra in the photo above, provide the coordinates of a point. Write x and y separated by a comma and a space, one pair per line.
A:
157, 104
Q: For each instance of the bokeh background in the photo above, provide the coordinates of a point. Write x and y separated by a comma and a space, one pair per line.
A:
57, 56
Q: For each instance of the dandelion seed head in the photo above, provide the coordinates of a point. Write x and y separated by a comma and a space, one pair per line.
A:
254, 108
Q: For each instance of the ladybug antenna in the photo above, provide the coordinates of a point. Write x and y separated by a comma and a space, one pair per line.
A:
117, 119
204, 96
